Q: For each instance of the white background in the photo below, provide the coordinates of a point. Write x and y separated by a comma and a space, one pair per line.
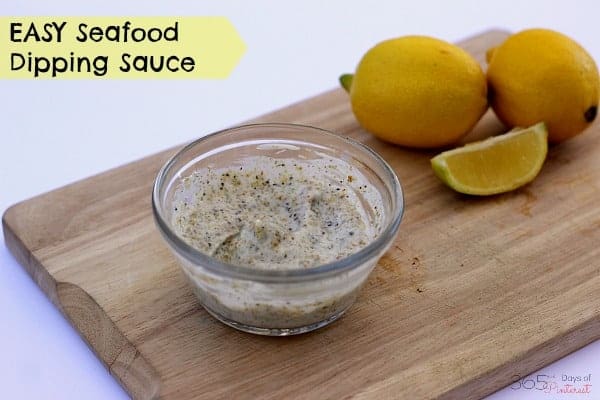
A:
56, 132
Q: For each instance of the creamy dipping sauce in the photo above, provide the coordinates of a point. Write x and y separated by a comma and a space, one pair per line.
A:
277, 214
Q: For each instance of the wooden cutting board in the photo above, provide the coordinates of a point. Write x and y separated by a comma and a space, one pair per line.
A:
474, 293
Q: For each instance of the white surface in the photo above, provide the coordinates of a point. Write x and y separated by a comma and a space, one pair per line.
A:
56, 132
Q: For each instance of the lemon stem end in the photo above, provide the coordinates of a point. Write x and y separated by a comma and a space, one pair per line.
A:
346, 81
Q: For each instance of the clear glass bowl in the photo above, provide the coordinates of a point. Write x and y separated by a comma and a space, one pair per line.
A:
277, 302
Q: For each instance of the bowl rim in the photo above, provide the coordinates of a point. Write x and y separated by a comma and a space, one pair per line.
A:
217, 267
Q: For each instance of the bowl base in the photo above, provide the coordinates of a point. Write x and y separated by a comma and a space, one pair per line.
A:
274, 331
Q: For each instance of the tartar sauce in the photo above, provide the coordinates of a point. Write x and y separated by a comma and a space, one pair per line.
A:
277, 214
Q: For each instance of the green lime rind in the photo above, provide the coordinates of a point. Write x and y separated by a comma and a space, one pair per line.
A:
346, 81
441, 170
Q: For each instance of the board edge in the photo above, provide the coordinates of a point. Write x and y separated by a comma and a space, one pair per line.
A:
527, 363
121, 358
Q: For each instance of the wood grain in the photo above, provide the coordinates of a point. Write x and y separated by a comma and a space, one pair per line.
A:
474, 292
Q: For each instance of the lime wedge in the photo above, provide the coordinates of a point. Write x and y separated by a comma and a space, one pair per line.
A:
494, 165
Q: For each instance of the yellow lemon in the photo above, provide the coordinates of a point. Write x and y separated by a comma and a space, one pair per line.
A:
541, 75
417, 91
495, 165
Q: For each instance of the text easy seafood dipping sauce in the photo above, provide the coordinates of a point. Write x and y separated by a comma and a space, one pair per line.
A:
277, 226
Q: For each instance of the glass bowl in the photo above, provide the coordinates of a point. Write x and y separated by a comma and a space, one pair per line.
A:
279, 302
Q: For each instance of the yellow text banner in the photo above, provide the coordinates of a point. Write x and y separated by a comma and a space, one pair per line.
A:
118, 47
